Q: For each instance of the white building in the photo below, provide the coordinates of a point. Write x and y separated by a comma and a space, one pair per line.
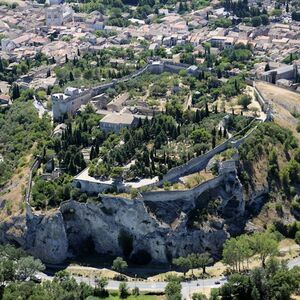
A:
54, 2
91, 185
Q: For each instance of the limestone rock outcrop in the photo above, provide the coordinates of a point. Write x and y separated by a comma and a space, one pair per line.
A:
153, 228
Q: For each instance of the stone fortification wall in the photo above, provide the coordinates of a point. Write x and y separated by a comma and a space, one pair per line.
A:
184, 195
174, 67
70, 105
197, 164
194, 165
33, 168
262, 102
73, 103
101, 88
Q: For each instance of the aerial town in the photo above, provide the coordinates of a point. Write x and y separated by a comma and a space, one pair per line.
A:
150, 149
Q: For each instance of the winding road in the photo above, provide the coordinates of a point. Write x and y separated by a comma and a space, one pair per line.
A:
187, 290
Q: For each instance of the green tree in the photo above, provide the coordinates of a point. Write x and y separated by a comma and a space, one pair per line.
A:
256, 21
183, 263
244, 100
136, 291
203, 260
265, 245
119, 265
200, 136
199, 296
265, 20
237, 251
123, 290
28, 266
101, 283
267, 67
71, 76
173, 290
15, 91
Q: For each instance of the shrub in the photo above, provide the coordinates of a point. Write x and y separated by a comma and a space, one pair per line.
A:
123, 290
244, 100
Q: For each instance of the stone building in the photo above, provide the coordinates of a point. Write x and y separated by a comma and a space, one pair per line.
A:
58, 15
68, 102
288, 72
117, 121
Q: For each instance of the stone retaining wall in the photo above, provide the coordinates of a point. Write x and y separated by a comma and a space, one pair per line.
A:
197, 164
184, 195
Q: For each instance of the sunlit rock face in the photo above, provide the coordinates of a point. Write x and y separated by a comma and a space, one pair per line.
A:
156, 228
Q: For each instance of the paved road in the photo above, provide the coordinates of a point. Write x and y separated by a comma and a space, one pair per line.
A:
188, 288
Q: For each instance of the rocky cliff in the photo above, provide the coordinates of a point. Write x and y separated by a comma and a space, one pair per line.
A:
143, 230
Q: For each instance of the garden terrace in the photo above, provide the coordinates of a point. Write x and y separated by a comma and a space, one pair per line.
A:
92, 68
154, 90
156, 146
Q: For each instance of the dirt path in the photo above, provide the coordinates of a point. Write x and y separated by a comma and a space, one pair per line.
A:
188, 102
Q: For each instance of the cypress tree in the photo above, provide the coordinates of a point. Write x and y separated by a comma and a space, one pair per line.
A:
198, 116
213, 142
214, 132
206, 110
267, 67
92, 153
236, 85
82, 163
216, 108
178, 130
72, 167
15, 91
97, 149
220, 132
1, 65
84, 126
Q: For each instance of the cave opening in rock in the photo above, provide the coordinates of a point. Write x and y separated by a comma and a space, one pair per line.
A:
141, 257
86, 247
